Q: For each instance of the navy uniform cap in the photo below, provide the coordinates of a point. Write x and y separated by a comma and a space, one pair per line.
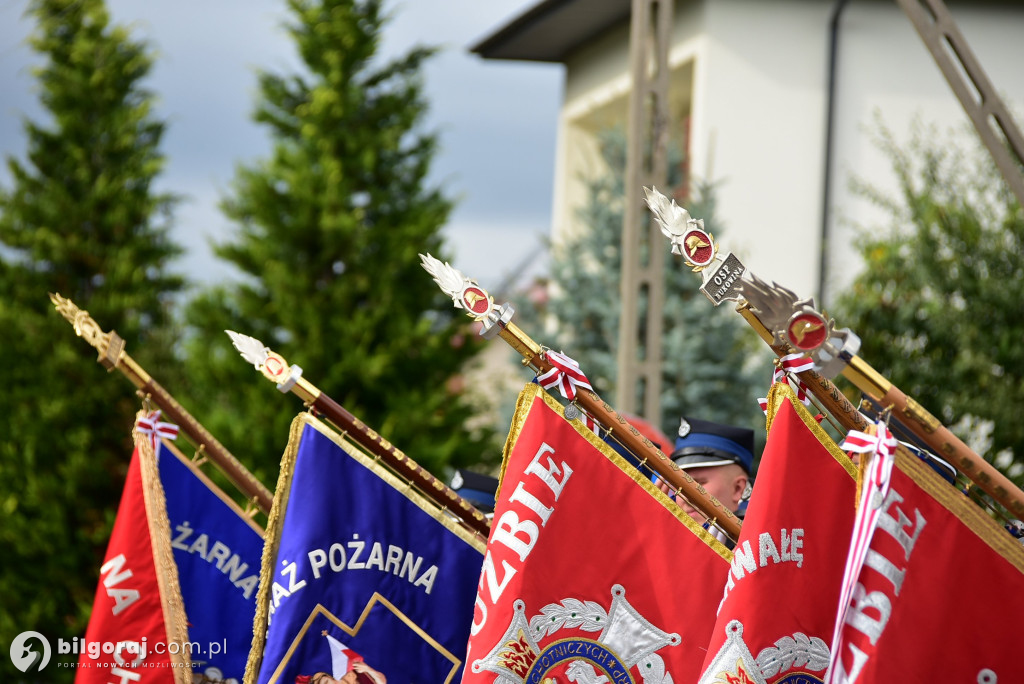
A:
702, 443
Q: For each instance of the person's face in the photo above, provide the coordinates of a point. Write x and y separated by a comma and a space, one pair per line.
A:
725, 482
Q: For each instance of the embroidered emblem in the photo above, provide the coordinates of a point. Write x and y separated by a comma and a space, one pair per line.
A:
734, 664
625, 649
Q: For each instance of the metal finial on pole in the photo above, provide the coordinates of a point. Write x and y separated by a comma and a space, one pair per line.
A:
791, 325
112, 355
288, 378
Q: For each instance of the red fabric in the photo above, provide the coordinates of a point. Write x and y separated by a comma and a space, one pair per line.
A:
651, 432
574, 538
130, 588
956, 613
802, 493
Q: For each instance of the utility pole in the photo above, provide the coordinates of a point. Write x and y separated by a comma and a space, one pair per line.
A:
978, 97
642, 290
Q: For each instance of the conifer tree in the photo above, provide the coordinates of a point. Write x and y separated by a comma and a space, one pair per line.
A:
937, 304
714, 367
330, 227
80, 218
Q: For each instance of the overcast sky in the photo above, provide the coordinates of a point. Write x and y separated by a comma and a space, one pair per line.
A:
496, 120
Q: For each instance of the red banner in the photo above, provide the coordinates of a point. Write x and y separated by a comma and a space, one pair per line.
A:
590, 571
940, 593
778, 615
126, 640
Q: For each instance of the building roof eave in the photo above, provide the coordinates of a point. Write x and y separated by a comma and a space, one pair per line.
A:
550, 30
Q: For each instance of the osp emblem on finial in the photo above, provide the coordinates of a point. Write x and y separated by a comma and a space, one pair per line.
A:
698, 248
687, 234
807, 330
465, 293
796, 323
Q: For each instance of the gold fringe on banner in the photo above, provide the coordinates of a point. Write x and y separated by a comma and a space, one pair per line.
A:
275, 520
175, 620
963, 507
779, 392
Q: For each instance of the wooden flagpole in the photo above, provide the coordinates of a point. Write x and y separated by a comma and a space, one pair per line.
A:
288, 378
790, 325
112, 355
468, 295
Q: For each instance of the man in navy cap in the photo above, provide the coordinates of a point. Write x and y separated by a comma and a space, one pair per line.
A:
719, 457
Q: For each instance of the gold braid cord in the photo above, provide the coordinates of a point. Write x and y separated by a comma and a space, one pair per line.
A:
275, 523
175, 620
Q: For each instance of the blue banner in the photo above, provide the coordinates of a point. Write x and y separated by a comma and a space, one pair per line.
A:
368, 577
218, 551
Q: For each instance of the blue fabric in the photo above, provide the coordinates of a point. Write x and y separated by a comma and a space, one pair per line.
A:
352, 543
218, 556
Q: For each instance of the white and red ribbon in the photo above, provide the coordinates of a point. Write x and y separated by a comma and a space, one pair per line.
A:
589, 422
873, 492
156, 429
788, 367
565, 373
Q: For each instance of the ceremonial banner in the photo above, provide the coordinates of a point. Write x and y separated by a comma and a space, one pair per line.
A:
776, 621
362, 577
940, 593
592, 574
217, 550
137, 630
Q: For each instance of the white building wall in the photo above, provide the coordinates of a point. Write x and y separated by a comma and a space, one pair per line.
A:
759, 70
758, 131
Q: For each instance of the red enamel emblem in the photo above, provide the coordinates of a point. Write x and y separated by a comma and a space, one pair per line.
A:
807, 331
699, 248
475, 300
275, 365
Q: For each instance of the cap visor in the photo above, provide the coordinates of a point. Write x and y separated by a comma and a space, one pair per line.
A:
702, 461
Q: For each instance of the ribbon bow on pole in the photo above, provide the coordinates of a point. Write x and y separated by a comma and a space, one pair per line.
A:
788, 366
565, 373
156, 429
